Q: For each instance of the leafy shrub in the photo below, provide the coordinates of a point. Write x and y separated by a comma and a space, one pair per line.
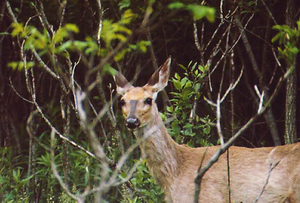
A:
187, 126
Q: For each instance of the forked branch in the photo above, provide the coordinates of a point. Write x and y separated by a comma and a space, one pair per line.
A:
262, 108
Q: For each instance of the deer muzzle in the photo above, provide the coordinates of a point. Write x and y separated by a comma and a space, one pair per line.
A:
132, 122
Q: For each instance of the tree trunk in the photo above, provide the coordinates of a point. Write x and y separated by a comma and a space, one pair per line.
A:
291, 85
269, 117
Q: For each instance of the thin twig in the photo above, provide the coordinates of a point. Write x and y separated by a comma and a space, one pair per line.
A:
196, 36
225, 147
31, 89
62, 10
272, 167
100, 22
269, 12
17, 93
56, 174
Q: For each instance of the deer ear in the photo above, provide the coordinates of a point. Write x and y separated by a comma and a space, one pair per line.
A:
122, 84
159, 79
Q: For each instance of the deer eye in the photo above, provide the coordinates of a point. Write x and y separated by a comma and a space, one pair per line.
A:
148, 101
122, 102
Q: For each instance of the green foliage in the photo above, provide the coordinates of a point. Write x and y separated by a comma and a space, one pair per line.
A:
13, 179
146, 189
62, 42
117, 30
77, 169
63, 33
187, 126
141, 47
198, 11
34, 39
124, 4
20, 65
288, 38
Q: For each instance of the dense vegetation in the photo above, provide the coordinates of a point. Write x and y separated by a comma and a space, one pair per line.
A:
62, 135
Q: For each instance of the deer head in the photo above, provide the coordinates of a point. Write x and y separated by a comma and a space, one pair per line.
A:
138, 103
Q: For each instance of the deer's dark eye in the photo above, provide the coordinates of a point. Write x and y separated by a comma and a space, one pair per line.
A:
122, 102
148, 101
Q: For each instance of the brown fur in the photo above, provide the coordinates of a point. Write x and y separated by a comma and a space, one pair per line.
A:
175, 166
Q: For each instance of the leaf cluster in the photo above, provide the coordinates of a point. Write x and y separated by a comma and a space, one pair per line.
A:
187, 124
198, 11
145, 187
288, 38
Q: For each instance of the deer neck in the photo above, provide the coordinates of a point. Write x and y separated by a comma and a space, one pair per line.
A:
159, 149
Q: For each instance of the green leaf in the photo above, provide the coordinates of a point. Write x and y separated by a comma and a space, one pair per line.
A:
188, 84
200, 12
182, 66
13, 65
197, 87
30, 64
17, 29
175, 127
294, 50
72, 28
187, 93
120, 55
63, 47
107, 69
60, 34
4, 33
193, 66
127, 17
16, 175
177, 76
188, 125
142, 45
124, 4
80, 45
206, 130
170, 108
20, 65
183, 81
177, 84
176, 5
201, 68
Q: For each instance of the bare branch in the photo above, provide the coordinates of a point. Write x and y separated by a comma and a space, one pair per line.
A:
17, 93
269, 12
56, 174
272, 167
232, 86
261, 99
100, 10
31, 89
98, 149
12, 15
225, 147
62, 10
195, 36
38, 58
43, 18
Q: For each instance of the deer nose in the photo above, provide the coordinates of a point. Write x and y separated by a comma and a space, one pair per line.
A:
132, 122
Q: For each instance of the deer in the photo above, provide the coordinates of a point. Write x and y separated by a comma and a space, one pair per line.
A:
175, 166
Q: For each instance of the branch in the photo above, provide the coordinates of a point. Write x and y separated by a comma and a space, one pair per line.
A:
225, 147
61, 11
267, 180
12, 15
95, 144
100, 22
218, 105
56, 174
31, 90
